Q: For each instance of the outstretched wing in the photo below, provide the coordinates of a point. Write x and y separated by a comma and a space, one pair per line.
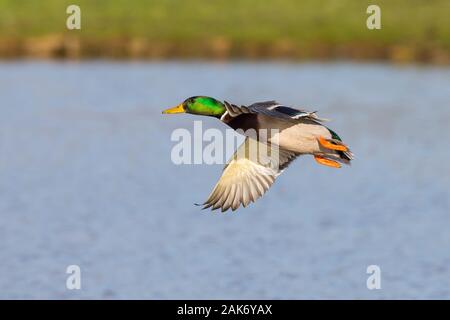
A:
273, 109
248, 175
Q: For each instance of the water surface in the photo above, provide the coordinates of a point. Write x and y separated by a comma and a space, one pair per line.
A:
87, 179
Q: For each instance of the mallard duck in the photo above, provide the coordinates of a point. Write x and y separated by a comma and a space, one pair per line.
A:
245, 177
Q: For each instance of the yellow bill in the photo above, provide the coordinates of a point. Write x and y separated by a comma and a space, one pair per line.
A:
178, 109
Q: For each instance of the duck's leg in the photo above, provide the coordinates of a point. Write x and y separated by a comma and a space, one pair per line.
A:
331, 145
327, 162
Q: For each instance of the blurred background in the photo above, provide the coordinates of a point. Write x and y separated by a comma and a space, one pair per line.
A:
87, 179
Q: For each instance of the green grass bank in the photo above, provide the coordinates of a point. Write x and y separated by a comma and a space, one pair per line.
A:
412, 30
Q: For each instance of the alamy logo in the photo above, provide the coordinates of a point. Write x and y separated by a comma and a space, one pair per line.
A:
191, 149
74, 20
374, 20
74, 279
374, 280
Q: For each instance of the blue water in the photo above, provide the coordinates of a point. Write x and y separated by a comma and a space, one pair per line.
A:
86, 178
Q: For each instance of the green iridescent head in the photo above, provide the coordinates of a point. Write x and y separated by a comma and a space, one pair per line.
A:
201, 105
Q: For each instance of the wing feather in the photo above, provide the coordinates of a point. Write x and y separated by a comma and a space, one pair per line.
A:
273, 109
246, 177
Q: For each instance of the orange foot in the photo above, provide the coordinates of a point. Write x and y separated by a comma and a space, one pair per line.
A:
332, 146
327, 162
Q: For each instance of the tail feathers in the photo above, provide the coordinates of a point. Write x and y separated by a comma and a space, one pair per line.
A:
343, 156
346, 156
